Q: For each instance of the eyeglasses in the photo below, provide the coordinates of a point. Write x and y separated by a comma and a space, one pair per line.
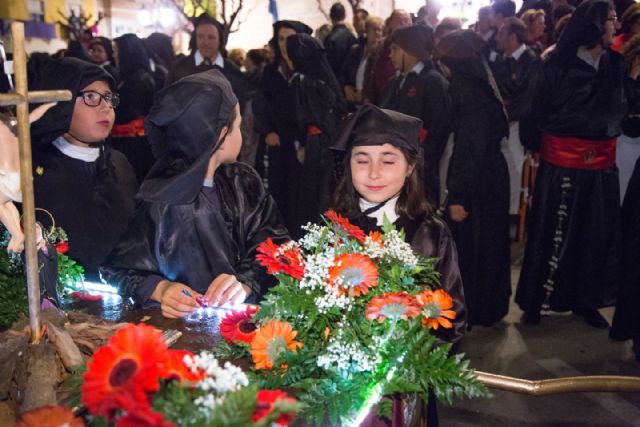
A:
613, 18
92, 98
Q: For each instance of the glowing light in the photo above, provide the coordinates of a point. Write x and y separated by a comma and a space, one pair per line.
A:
373, 397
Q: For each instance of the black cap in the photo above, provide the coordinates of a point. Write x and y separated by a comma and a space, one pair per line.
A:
371, 125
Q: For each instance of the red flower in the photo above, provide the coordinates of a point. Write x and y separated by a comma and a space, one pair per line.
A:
436, 308
354, 274
394, 306
344, 224
125, 370
239, 326
265, 402
62, 247
175, 368
141, 417
281, 259
49, 416
412, 92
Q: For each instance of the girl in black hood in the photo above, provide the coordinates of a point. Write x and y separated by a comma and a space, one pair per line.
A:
200, 215
87, 187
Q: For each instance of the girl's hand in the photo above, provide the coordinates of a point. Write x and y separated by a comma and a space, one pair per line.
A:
457, 213
173, 300
226, 289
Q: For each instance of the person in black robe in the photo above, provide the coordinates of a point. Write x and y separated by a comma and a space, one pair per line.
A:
419, 90
200, 215
87, 187
339, 40
572, 256
408, 209
319, 106
101, 53
207, 47
160, 50
274, 110
478, 179
137, 88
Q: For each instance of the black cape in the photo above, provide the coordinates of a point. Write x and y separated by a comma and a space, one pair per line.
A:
337, 44
194, 243
425, 95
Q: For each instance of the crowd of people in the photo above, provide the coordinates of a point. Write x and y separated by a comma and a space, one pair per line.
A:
409, 118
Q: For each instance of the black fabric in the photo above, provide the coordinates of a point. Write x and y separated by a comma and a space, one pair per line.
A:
573, 99
337, 44
517, 80
425, 95
430, 237
183, 128
91, 201
478, 179
352, 62
194, 243
70, 74
626, 321
186, 66
136, 97
371, 125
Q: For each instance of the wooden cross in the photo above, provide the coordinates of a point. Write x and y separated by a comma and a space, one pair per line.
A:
21, 99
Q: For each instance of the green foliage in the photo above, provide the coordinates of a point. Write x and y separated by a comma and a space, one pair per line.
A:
72, 383
70, 275
385, 408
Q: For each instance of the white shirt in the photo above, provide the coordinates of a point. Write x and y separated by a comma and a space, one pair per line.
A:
519, 51
219, 61
86, 154
388, 210
360, 73
583, 53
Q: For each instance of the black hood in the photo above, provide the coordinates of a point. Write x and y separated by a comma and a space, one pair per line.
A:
296, 26
59, 74
183, 128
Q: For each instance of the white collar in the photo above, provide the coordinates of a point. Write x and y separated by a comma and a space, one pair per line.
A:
519, 51
219, 61
86, 154
388, 210
208, 182
417, 68
585, 55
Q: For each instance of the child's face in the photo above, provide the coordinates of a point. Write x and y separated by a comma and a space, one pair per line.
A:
92, 124
230, 149
378, 172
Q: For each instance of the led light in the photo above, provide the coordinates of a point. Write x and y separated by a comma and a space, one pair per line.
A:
101, 288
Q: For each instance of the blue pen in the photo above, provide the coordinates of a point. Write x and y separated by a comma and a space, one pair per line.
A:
201, 302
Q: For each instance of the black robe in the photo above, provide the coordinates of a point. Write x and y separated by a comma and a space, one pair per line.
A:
136, 97
194, 243
91, 201
426, 97
274, 111
431, 238
186, 65
478, 179
626, 321
572, 256
517, 80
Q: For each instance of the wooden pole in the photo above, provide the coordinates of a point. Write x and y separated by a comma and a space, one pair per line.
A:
26, 179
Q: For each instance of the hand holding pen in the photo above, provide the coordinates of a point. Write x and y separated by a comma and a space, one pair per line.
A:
176, 299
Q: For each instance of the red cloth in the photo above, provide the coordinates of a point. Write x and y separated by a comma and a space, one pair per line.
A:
313, 130
575, 153
619, 41
132, 129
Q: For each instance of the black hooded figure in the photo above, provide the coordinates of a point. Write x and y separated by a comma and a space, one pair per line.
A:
188, 230
274, 112
572, 257
89, 189
110, 64
137, 88
319, 106
478, 179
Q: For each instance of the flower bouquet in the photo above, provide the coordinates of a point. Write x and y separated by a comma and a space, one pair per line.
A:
135, 381
349, 322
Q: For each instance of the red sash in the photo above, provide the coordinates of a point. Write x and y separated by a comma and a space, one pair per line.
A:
313, 130
127, 130
576, 153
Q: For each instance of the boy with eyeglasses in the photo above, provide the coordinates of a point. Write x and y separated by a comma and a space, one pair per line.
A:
87, 186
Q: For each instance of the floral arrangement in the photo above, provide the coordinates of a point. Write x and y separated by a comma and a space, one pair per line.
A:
12, 276
136, 381
350, 321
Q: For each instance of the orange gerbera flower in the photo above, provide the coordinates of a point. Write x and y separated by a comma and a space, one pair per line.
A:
354, 274
270, 341
124, 370
175, 368
376, 237
436, 308
344, 224
265, 402
277, 259
49, 416
392, 305
239, 326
